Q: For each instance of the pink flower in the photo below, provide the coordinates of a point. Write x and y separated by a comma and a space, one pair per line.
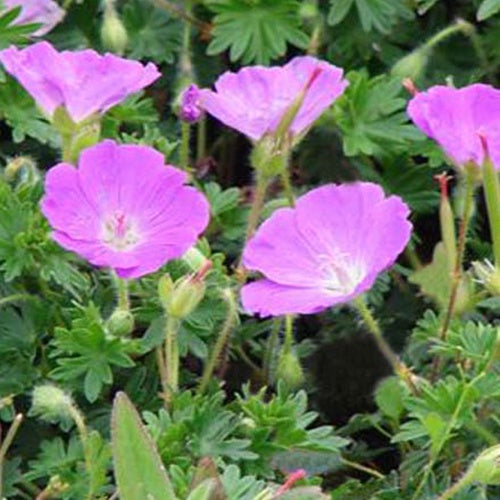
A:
191, 110
325, 251
84, 82
255, 99
44, 12
455, 119
123, 208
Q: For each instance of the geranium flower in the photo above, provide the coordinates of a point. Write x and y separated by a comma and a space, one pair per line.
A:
84, 82
255, 99
44, 12
190, 106
456, 118
325, 251
123, 208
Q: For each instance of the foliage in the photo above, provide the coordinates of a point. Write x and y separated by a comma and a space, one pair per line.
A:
241, 434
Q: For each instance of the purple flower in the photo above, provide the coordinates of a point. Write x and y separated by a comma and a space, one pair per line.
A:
455, 119
44, 12
325, 251
255, 99
123, 208
84, 82
191, 110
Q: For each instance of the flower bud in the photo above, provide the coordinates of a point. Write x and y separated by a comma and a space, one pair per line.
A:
113, 32
486, 468
181, 298
51, 403
190, 109
120, 323
447, 221
194, 259
289, 370
488, 275
22, 169
412, 65
186, 296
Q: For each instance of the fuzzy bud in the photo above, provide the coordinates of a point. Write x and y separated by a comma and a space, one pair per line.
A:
289, 370
113, 32
186, 296
486, 468
51, 403
488, 275
120, 323
181, 298
412, 65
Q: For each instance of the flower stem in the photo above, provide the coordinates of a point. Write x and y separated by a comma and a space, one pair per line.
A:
462, 239
374, 329
491, 185
399, 368
445, 435
9, 438
455, 488
81, 427
257, 205
271, 350
184, 147
201, 139
14, 298
363, 468
172, 356
123, 295
221, 342
287, 187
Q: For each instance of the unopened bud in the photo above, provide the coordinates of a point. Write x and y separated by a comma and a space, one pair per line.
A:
308, 11
113, 32
186, 296
488, 275
447, 221
194, 259
190, 109
120, 323
181, 298
289, 370
22, 169
51, 403
486, 468
412, 65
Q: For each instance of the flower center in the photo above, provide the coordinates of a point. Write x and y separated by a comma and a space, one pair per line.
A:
342, 276
119, 232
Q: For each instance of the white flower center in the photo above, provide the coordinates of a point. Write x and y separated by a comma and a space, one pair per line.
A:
119, 231
342, 275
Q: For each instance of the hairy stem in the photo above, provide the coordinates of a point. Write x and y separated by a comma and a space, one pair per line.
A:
9, 438
172, 356
221, 342
462, 239
491, 184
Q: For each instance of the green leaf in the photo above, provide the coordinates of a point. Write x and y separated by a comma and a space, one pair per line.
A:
255, 30
389, 397
487, 9
436, 428
380, 15
138, 468
153, 33
372, 117
434, 279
